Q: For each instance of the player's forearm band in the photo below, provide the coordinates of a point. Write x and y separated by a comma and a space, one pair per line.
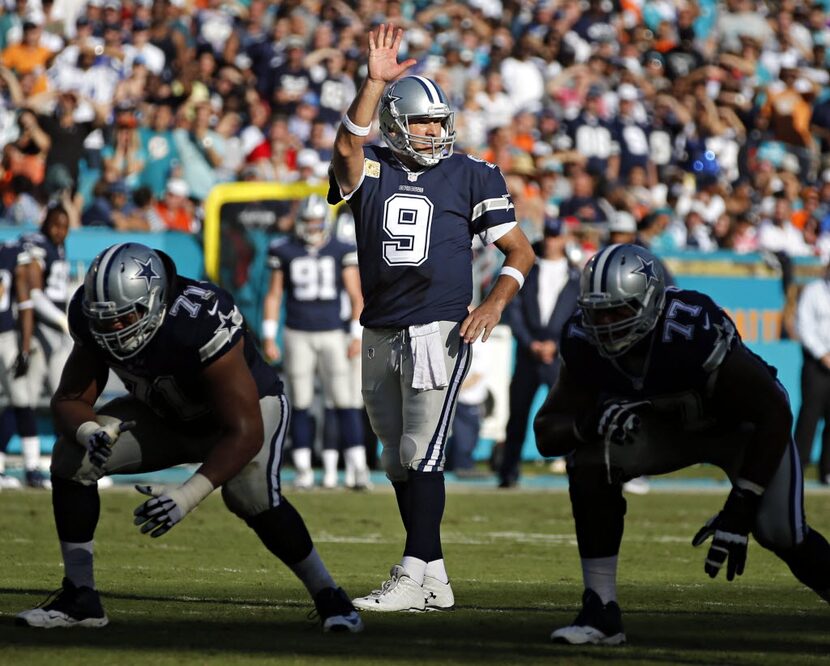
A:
356, 329
25, 305
514, 273
269, 329
193, 491
353, 128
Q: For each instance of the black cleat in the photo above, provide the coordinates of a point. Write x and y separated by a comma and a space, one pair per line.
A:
69, 606
596, 624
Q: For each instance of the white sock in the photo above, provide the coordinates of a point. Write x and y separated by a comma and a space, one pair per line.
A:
415, 568
313, 573
600, 575
31, 452
330, 458
2, 462
77, 563
435, 569
356, 456
302, 459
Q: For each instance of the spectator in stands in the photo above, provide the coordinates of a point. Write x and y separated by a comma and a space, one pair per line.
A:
160, 155
199, 148
30, 56
124, 158
175, 209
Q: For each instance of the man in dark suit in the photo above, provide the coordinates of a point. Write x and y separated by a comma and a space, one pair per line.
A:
536, 317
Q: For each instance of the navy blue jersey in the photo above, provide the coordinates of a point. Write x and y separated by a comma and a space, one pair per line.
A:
594, 139
691, 339
9, 258
201, 325
52, 260
414, 235
633, 139
313, 281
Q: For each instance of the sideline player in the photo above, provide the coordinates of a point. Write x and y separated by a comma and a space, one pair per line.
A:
199, 392
417, 207
655, 379
16, 334
312, 269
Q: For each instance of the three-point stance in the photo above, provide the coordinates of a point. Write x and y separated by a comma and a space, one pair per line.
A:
417, 207
199, 392
655, 379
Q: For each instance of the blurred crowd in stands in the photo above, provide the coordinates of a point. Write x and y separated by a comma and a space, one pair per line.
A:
697, 125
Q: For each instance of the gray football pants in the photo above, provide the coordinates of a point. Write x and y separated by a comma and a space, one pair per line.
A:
413, 426
153, 445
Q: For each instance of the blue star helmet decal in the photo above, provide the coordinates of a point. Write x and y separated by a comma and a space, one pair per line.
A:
647, 270
146, 272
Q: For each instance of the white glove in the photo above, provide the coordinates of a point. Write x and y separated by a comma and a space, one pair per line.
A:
99, 439
167, 506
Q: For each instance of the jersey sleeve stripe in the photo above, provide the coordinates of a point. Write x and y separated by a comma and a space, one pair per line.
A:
492, 234
499, 203
350, 259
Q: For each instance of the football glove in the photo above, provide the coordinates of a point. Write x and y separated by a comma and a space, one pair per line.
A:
21, 364
167, 506
619, 422
729, 530
99, 439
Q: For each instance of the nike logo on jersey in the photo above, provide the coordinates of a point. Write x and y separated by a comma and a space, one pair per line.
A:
212, 311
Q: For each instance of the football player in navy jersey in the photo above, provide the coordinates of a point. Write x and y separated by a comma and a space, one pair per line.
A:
654, 379
45, 255
199, 392
417, 206
15, 349
312, 269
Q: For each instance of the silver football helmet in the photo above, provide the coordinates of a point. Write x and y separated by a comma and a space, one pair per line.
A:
313, 220
622, 291
416, 97
125, 298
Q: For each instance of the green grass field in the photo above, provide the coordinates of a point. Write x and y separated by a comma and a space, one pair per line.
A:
209, 593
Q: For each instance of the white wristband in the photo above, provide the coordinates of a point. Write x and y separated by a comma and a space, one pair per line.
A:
354, 128
192, 492
514, 273
84, 431
269, 329
25, 305
356, 329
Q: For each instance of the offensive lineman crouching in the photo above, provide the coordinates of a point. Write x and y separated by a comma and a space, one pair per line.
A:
199, 392
654, 380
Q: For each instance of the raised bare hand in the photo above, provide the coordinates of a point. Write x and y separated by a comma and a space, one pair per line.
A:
384, 44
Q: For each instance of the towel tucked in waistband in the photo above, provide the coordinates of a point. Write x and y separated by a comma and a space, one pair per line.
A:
427, 346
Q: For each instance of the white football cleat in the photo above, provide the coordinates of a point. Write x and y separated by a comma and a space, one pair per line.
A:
9, 482
304, 480
399, 593
438, 596
637, 486
330, 481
